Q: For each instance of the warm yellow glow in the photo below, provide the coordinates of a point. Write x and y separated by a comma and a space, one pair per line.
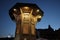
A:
26, 15
25, 29
38, 16
33, 29
37, 10
14, 9
26, 7
35, 19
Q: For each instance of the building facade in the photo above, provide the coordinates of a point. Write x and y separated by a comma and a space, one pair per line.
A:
26, 16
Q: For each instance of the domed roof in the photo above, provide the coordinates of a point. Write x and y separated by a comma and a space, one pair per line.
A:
19, 5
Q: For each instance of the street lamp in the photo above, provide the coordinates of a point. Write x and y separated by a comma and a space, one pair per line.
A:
26, 16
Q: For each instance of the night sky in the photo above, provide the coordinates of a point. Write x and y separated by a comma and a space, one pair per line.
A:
51, 9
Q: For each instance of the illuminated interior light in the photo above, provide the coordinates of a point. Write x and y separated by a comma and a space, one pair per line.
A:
14, 9
38, 16
26, 15
26, 7
37, 10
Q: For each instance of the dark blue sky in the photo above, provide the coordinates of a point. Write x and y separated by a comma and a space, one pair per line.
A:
51, 16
